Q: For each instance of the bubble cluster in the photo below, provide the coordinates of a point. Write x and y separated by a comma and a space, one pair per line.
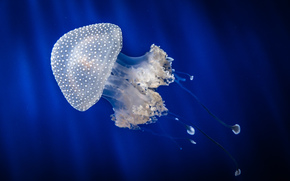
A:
82, 60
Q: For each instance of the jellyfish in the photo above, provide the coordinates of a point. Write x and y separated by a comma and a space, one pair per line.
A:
87, 65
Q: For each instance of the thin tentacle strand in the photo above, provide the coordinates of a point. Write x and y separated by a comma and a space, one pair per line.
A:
179, 119
235, 128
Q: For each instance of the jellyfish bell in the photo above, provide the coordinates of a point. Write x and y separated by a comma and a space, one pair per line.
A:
82, 61
87, 65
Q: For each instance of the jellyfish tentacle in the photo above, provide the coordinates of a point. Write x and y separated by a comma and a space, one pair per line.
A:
189, 129
164, 134
235, 128
192, 141
238, 170
184, 73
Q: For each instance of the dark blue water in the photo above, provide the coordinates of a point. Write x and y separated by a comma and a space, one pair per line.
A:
238, 52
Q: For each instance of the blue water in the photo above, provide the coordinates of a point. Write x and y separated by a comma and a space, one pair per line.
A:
238, 52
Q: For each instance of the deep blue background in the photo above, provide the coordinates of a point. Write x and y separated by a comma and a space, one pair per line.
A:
238, 52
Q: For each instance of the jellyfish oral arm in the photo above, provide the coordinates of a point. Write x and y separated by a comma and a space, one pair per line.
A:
131, 88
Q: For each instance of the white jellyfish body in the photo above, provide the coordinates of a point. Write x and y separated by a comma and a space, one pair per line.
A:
87, 65
82, 60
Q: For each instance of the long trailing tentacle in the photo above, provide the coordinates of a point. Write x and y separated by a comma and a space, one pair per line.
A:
235, 128
177, 118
